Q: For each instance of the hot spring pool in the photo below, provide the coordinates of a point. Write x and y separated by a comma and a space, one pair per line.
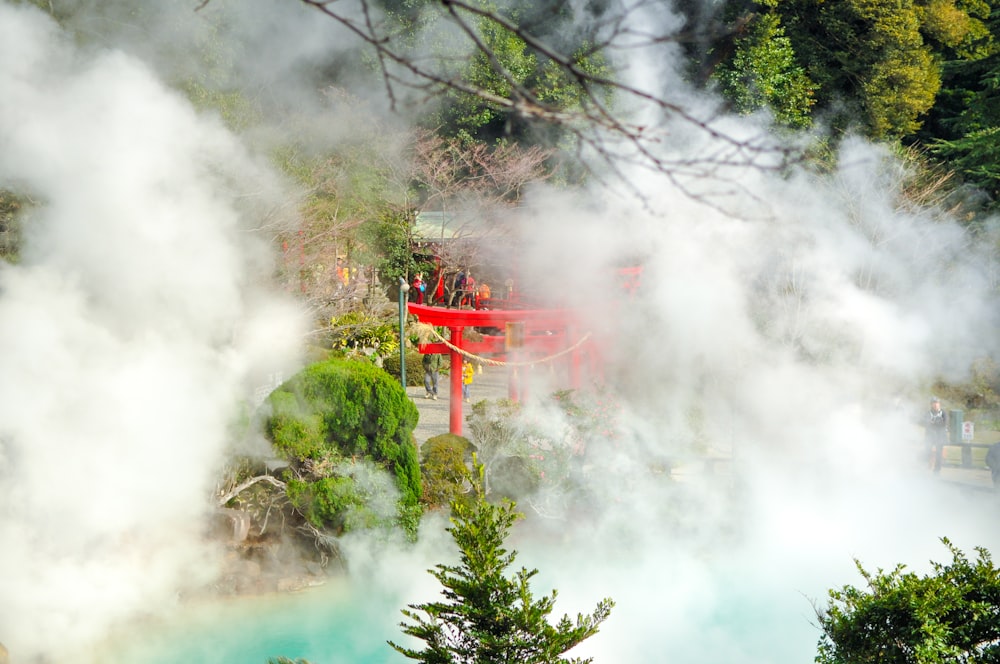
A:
324, 625
344, 622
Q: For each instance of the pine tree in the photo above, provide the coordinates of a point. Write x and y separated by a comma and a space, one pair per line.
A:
487, 617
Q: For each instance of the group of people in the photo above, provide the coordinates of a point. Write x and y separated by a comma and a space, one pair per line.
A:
432, 368
469, 293
465, 291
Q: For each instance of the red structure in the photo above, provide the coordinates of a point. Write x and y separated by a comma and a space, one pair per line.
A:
528, 335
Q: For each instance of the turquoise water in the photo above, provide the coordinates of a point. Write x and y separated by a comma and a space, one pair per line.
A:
746, 618
327, 625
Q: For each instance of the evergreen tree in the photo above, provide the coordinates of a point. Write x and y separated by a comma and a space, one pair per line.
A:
762, 72
512, 69
487, 617
877, 63
963, 128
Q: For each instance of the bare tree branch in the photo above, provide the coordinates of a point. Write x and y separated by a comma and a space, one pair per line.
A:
243, 486
606, 133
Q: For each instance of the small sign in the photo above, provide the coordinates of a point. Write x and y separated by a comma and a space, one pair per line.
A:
514, 335
968, 430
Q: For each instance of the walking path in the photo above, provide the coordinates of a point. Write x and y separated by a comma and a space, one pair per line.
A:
973, 478
434, 418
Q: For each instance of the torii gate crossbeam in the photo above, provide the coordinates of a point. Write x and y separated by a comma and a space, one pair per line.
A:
560, 322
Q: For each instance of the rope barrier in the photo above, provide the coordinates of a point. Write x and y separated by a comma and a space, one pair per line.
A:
425, 331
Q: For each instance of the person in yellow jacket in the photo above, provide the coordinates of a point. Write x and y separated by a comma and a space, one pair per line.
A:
467, 373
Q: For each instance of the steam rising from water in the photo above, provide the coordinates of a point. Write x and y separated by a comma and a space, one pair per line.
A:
794, 342
785, 337
130, 331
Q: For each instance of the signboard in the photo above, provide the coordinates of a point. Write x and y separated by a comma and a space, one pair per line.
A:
968, 430
514, 335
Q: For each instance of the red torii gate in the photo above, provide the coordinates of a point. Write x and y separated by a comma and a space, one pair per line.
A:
546, 331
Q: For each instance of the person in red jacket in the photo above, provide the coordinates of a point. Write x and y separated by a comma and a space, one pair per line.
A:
418, 288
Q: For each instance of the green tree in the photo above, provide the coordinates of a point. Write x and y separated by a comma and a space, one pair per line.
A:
763, 73
969, 100
878, 60
963, 128
503, 66
903, 618
976, 156
387, 246
487, 617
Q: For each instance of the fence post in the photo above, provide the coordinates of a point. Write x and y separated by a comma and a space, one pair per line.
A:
955, 435
404, 288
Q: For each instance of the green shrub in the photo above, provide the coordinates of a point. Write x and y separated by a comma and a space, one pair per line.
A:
357, 330
949, 615
414, 367
514, 476
343, 409
444, 468
297, 432
327, 502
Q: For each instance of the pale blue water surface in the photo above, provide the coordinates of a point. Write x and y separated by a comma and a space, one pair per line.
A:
338, 623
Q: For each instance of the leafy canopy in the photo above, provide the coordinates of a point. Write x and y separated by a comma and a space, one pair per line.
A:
508, 67
878, 63
951, 615
763, 73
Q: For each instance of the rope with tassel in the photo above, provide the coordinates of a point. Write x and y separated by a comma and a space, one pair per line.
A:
426, 331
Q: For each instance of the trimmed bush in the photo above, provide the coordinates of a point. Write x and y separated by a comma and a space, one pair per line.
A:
414, 367
339, 409
445, 470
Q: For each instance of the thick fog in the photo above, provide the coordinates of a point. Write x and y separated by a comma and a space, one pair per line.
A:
788, 323
136, 322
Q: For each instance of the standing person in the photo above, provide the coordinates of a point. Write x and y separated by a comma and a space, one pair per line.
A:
469, 290
469, 296
993, 463
483, 296
342, 274
432, 364
467, 373
457, 289
438, 295
935, 433
418, 288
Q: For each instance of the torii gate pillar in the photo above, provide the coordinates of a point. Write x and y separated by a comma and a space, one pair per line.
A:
455, 380
456, 320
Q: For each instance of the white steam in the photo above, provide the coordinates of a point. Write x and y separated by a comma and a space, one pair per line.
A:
782, 335
130, 330
795, 340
